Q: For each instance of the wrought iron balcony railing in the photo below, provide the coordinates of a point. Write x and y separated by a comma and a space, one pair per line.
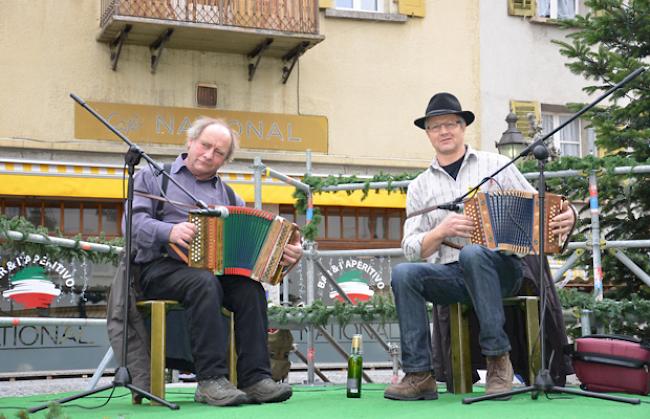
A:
298, 16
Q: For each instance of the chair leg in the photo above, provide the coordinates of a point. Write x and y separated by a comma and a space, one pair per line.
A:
532, 333
461, 359
158, 330
232, 351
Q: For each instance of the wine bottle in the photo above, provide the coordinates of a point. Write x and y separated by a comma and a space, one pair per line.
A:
355, 368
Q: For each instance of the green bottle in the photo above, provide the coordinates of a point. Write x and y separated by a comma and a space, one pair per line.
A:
355, 369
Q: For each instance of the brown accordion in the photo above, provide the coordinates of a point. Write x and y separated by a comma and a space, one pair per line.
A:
509, 221
248, 242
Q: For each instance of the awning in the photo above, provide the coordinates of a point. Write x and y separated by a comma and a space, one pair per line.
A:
72, 180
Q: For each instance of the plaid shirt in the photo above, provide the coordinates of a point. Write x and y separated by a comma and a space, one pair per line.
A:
434, 187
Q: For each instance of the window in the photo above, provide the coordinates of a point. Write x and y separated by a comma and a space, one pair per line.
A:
533, 116
365, 5
547, 9
90, 217
355, 228
71, 217
568, 140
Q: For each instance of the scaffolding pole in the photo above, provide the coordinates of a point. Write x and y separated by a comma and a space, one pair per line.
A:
60, 241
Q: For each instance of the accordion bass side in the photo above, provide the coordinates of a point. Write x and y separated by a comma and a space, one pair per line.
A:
248, 242
509, 221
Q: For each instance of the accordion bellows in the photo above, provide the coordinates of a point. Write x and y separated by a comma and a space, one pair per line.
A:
509, 221
249, 242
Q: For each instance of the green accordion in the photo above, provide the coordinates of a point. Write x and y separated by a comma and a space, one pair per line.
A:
248, 242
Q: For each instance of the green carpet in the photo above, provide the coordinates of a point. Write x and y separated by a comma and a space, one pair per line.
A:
329, 402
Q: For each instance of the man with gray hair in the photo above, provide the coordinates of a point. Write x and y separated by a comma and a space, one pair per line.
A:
210, 144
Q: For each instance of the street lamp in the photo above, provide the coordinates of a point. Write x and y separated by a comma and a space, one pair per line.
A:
512, 141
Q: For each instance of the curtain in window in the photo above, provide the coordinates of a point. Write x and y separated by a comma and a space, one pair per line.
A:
547, 123
566, 9
569, 138
544, 8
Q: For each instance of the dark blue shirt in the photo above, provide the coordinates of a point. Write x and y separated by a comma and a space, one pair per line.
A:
151, 235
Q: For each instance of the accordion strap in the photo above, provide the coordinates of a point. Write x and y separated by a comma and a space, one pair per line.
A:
452, 245
179, 252
163, 200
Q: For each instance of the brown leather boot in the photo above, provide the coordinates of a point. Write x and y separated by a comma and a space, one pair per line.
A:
414, 386
499, 375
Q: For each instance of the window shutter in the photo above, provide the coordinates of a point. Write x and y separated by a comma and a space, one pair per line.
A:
206, 95
411, 7
522, 109
522, 7
326, 4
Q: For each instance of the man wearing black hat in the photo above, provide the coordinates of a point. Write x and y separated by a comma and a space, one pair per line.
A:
447, 275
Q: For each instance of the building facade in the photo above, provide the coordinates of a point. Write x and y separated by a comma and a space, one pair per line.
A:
522, 71
343, 80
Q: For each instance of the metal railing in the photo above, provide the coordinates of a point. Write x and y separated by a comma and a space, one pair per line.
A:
277, 15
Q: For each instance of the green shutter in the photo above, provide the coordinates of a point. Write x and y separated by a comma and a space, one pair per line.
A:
522, 109
411, 7
522, 7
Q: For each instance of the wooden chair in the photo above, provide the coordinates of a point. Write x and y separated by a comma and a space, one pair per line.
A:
461, 359
157, 309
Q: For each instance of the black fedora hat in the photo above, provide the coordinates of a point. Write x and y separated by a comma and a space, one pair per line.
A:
444, 104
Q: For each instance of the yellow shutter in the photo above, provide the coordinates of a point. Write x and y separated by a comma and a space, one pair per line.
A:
326, 4
411, 7
522, 109
522, 7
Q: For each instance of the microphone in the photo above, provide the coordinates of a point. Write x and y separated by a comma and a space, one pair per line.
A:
220, 211
452, 206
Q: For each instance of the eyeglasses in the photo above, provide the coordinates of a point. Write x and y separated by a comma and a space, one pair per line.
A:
447, 125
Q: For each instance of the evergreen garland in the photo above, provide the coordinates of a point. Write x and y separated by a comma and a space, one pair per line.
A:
21, 225
625, 317
379, 309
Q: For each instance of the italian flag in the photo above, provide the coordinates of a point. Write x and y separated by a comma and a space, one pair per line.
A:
354, 286
31, 288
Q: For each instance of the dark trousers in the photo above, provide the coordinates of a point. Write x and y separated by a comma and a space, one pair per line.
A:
202, 295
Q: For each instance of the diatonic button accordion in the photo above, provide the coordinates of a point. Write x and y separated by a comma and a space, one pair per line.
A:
509, 221
249, 242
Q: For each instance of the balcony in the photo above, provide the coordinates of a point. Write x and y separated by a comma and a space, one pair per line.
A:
275, 28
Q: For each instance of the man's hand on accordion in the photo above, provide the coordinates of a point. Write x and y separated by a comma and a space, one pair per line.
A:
292, 252
453, 225
562, 224
456, 225
182, 234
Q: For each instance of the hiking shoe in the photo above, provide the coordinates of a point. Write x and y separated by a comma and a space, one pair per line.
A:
268, 391
414, 386
499, 375
219, 392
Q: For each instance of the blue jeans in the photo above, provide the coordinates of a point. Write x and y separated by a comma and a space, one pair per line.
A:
481, 277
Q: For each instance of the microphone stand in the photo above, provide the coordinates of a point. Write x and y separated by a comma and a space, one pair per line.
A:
132, 158
543, 381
